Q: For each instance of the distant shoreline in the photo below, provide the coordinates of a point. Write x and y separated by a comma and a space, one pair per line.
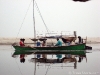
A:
32, 43
10, 41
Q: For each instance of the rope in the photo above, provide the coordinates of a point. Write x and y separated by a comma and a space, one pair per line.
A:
23, 19
43, 19
41, 16
18, 67
47, 70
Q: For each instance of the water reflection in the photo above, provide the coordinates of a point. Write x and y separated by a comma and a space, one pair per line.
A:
44, 57
22, 58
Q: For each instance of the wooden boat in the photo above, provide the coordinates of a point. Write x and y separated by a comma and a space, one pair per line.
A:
58, 48
82, 52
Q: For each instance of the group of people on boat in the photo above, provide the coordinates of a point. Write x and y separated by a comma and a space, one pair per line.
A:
38, 44
43, 44
59, 43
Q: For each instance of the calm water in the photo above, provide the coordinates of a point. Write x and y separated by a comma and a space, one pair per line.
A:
90, 65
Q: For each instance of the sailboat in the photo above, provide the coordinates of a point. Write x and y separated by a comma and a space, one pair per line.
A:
49, 48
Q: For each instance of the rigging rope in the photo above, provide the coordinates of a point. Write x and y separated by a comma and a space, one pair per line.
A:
43, 20
47, 70
48, 67
23, 19
41, 17
18, 67
33, 17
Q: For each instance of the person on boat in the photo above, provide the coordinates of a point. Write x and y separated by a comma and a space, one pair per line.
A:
38, 44
44, 43
21, 42
66, 41
59, 43
80, 39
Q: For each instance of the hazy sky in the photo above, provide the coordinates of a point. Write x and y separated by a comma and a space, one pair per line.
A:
59, 15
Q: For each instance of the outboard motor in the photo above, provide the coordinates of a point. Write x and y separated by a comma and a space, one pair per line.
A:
88, 48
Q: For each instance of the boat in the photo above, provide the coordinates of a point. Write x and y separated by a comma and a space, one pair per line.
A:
18, 52
57, 48
81, 46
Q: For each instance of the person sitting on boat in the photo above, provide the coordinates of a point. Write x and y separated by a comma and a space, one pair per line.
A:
44, 43
80, 39
59, 43
21, 42
38, 43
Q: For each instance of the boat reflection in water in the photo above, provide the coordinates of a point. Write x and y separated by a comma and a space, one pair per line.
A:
58, 57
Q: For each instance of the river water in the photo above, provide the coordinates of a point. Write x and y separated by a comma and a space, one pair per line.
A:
90, 65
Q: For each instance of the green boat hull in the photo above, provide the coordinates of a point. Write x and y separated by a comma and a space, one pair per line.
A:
82, 52
58, 48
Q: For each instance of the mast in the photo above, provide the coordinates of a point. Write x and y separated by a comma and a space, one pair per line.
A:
34, 21
34, 37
